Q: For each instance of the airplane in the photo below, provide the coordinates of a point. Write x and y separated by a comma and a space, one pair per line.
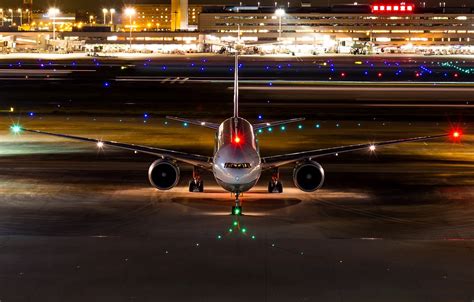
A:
236, 162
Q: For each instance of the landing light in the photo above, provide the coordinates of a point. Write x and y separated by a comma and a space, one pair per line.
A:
372, 148
100, 145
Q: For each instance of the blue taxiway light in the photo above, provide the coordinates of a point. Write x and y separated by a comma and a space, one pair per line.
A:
106, 84
145, 115
31, 114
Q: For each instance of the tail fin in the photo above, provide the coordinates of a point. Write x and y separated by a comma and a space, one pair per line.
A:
236, 84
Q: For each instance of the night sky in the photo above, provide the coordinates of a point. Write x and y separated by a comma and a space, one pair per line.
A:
94, 4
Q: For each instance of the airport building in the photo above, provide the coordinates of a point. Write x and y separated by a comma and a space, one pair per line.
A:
356, 28
377, 27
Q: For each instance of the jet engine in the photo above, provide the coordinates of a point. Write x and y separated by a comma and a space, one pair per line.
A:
163, 174
308, 176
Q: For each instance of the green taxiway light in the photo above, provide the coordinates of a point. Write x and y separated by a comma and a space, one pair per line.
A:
244, 230
219, 237
253, 237
235, 223
230, 230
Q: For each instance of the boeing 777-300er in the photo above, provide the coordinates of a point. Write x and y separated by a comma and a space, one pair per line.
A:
236, 162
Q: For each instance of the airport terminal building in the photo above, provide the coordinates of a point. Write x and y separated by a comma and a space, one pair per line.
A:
355, 28
396, 27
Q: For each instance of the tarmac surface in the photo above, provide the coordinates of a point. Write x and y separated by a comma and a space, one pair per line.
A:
80, 224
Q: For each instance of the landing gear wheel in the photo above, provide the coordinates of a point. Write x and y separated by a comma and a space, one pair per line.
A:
275, 186
196, 186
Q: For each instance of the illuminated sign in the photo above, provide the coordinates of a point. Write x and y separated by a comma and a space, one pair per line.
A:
387, 8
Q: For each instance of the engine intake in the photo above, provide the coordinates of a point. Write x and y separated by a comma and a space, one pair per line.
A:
308, 176
163, 175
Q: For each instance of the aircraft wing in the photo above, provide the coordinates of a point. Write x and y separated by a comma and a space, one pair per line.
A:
280, 160
277, 123
202, 161
194, 122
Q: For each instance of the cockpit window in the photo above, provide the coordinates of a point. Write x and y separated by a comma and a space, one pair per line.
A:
237, 165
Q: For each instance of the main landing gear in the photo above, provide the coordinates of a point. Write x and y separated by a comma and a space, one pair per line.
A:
275, 185
196, 184
237, 209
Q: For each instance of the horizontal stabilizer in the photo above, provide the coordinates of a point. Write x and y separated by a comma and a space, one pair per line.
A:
194, 122
277, 123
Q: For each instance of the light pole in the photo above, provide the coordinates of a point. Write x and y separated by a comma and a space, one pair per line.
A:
105, 11
279, 13
28, 16
11, 20
112, 12
20, 11
130, 12
52, 13
1, 12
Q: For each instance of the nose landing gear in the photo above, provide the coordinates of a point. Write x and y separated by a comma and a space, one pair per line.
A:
237, 209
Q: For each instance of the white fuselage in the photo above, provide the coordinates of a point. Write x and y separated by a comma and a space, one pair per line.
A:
236, 164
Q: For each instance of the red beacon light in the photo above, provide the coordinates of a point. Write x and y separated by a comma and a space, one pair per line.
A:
237, 139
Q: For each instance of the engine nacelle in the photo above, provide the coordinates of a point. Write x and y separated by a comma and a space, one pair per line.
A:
308, 176
163, 174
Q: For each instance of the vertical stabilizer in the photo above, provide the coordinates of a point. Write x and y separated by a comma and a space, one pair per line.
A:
236, 85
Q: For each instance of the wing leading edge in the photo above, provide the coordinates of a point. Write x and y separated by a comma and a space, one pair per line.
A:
284, 159
202, 161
